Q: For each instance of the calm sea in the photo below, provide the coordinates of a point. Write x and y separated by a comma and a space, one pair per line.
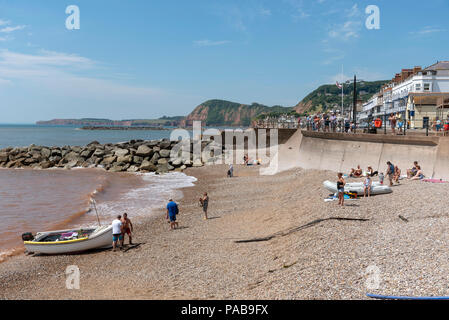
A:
24, 135
42, 200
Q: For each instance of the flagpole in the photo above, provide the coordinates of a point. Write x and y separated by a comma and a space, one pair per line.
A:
342, 93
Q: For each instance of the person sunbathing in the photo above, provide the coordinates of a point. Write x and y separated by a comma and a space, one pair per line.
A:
419, 174
356, 173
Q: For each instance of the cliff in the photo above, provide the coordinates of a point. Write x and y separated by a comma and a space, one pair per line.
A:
226, 113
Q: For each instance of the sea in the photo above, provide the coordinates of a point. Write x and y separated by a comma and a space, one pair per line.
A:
54, 199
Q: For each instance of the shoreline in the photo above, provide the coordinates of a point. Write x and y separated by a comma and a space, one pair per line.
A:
85, 216
201, 260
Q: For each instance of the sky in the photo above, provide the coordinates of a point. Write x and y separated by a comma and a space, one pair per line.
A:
142, 59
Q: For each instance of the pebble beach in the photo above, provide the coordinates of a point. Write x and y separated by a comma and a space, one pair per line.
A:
268, 237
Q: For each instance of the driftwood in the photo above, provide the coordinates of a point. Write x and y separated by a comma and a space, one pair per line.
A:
290, 231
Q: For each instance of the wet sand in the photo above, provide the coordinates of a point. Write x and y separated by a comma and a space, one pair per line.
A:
201, 260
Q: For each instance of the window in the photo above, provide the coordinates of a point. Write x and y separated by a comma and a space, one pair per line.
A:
426, 86
418, 87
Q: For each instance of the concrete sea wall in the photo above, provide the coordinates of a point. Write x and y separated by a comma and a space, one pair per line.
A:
340, 152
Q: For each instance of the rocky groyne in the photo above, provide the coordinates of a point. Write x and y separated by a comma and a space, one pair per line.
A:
132, 156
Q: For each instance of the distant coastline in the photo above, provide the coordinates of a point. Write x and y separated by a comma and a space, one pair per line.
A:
122, 128
98, 122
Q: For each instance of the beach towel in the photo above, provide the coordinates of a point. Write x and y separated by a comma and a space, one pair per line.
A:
434, 180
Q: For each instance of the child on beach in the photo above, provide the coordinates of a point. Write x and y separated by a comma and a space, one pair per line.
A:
381, 178
341, 189
367, 186
204, 202
397, 174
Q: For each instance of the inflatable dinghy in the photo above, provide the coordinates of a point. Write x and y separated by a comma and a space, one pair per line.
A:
357, 187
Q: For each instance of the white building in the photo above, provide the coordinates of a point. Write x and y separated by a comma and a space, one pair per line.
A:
420, 96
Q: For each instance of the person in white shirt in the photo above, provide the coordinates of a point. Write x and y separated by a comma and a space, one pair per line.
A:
117, 234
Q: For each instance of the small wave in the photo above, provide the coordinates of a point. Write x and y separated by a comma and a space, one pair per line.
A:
143, 201
10, 253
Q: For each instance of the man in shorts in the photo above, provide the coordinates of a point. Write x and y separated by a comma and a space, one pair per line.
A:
172, 211
127, 228
117, 228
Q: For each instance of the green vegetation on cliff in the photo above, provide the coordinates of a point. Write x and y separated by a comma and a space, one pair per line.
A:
329, 95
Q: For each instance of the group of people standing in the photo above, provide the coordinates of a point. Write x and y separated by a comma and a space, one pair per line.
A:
329, 122
120, 227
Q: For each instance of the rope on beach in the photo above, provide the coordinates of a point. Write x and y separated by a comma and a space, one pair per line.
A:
290, 231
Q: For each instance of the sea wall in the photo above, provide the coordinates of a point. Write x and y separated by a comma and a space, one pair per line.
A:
340, 152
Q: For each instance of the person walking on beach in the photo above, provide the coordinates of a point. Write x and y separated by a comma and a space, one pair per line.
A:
117, 228
127, 228
390, 172
231, 171
204, 202
341, 189
172, 211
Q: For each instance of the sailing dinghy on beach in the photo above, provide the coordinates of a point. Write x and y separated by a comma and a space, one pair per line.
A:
69, 241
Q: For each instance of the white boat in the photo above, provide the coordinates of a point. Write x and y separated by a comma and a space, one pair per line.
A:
69, 241
357, 187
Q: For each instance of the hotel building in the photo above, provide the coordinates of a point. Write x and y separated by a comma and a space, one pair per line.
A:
420, 96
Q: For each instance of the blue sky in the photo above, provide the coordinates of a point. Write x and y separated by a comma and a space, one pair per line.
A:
146, 59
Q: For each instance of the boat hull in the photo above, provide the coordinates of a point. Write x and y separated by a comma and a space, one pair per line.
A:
357, 187
101, 238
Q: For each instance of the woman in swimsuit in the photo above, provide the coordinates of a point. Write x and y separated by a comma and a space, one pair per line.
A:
341, 189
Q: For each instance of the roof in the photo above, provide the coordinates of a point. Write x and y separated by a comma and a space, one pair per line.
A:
440, 65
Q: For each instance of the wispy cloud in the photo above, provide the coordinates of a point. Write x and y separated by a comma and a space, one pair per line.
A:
336, 55
350, 28
12, 29
427, 30
210, 43
299, 11
4, 22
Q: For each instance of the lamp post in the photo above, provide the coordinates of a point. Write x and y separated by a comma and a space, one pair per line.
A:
354, 99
